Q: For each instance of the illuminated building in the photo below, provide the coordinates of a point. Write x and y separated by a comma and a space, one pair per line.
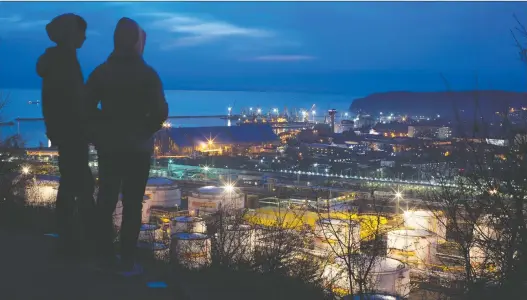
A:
426, 131
332, 113
217, 140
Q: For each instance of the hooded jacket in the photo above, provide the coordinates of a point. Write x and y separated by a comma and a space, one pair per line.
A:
130, 92
62, 82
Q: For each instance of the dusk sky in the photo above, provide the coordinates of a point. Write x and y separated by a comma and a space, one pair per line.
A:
348, 47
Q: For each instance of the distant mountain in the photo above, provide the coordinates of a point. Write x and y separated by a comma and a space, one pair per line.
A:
440, 103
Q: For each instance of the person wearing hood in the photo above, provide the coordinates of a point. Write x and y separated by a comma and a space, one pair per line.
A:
62, 107
132, 109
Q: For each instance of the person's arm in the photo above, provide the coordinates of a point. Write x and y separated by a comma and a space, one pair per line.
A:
64, 85
93, 95
92, 115
157, 105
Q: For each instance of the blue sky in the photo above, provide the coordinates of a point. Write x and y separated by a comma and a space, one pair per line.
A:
355, 47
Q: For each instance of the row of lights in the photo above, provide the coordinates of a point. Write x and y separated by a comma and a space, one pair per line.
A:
362, 178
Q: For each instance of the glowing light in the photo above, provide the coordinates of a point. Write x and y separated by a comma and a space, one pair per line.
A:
259, 110
206, 168
313, 112
251, 109
25, 170
229, 188
493, 192
275, 110
398, 195
167, 124
230, 108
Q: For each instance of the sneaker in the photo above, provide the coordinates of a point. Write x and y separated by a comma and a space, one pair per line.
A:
131, 270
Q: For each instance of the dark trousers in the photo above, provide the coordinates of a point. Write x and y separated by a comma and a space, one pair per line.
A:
75, 194
126, 172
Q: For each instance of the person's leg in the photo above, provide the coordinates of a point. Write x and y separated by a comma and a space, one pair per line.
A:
134, 184
109, 187
86, 202
65, 204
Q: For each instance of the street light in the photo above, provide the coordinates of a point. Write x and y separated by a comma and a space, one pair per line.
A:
167, 124
25, 170
230, 109
259, 110
229, 188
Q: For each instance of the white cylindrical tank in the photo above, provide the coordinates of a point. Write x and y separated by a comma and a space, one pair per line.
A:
150, 233
432, 221
118, 212
418, 246
161, 251
238, 242
337, 235
163, 192
190, 250
42, 190
211, 199
391, 276
187, 224
386, 275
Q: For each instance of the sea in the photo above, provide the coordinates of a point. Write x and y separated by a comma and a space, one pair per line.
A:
21, 104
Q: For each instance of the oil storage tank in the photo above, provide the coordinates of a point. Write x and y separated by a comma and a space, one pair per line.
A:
237, 241
190, 250
163, 192
337, 235
412, 246
118, 212
187, 224
210, 199
432, 221
386, 275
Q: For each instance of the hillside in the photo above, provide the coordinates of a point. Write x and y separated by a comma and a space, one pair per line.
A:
442, 103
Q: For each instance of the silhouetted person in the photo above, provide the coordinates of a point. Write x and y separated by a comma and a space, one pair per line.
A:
133, 108
63, 93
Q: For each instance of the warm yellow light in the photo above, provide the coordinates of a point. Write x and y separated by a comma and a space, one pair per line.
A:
25, 170
229, 188
167, 124
398, 195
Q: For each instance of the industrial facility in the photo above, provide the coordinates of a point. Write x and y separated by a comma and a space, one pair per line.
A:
217, 140
183, 228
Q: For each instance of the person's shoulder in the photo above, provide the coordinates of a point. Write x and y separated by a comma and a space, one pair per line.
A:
99, 71
150, 72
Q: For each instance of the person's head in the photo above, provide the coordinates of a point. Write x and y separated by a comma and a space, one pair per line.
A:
129, 37
68, 30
